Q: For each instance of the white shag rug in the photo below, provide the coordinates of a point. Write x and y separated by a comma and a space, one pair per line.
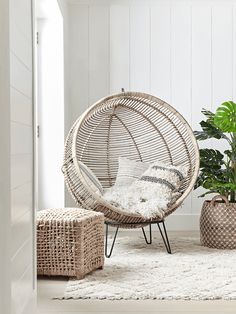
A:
140, 271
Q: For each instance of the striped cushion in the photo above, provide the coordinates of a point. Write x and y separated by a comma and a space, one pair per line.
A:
129, 171
158, 187
166, 175
91, 179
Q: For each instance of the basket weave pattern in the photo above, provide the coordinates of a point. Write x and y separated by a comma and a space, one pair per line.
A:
70, 242
218, 224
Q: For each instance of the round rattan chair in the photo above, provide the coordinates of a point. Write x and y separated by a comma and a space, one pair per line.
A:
134, 125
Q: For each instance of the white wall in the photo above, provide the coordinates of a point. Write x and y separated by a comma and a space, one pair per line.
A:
65, 14
22, 202
50, 105
5, 211
181, 51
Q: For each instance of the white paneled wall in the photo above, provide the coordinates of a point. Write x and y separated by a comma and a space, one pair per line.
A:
160, 53
98, 45
21, 99
222, 54
78, 74
139, 56
119, 48
50, 104
201, 84
180, 51
5, 217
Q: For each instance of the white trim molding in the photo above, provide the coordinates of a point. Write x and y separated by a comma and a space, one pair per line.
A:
5, 207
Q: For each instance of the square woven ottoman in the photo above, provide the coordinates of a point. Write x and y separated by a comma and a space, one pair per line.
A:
70, 242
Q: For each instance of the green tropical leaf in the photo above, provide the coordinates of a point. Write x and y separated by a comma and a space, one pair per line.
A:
201, 136
228, 153
209, 131
227, 185
218, 174
208, 176
207, 113
225, 117
211, 158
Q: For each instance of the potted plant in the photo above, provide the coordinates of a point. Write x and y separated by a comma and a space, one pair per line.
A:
218, 176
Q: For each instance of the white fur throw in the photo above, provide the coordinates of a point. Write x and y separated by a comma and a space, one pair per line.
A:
151, 194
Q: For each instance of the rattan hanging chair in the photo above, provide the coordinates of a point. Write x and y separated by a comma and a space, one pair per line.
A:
134, 125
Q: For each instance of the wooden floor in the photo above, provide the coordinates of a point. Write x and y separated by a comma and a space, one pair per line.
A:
50, 288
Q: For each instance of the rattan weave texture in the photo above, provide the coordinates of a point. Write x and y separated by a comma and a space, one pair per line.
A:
70, 242
133, 125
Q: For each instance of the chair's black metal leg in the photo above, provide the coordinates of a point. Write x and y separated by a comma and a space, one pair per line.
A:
150, 234
164, 238
113, 242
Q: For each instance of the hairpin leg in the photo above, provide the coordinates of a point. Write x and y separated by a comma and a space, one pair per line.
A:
164, 236
113, 242
150, 234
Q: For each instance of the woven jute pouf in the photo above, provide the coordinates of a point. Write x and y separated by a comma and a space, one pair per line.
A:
218, 224
70, 242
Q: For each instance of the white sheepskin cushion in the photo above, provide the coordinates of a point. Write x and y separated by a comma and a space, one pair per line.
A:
150, 195
129, 171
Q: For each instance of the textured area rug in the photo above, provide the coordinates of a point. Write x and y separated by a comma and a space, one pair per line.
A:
140, 271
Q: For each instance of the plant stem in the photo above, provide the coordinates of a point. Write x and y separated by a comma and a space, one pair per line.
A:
232, 196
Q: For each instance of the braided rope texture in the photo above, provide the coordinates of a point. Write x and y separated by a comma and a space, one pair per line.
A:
70, 242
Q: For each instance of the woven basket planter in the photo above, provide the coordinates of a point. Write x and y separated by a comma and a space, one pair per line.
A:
218, 223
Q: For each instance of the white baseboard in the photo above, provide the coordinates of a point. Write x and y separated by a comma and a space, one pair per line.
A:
181, 222
31, 305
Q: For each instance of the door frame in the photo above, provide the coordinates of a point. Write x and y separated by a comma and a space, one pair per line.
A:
5, 166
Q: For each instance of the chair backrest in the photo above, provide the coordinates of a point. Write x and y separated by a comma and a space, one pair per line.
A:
133, 125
